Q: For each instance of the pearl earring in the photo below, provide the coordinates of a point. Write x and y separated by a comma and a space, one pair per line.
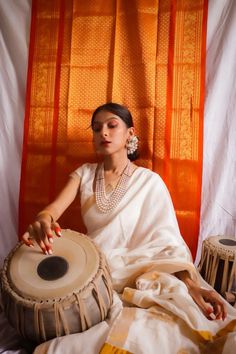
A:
132, 145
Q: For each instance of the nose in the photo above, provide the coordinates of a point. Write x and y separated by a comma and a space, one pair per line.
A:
104, 131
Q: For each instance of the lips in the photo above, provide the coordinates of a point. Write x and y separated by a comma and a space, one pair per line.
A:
105, 143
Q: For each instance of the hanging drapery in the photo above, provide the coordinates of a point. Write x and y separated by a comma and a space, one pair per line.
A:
148, 55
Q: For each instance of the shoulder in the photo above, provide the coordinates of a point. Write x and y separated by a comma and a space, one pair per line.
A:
148, 174
84, 170
151, 179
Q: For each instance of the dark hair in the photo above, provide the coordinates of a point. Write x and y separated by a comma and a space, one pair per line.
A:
122, 112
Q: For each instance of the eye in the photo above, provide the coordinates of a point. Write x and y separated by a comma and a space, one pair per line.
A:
112, 124
96, 127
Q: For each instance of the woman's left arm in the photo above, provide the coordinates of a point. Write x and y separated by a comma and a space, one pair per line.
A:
208, 301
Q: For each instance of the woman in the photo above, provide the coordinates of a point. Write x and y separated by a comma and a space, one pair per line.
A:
128, 212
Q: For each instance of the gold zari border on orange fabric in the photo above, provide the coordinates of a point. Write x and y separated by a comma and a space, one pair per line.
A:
149, 56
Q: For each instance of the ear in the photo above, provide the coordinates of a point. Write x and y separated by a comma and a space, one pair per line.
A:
131, 132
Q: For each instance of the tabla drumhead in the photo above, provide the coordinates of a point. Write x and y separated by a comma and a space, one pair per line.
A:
75, 251
225, 243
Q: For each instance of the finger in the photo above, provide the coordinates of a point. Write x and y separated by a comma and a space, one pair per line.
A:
217, 309
50, 238
27, 240
46, 248
218, 305
220, 310
210, 312
224, 311
42, 238
56, 227
43, 247
47, 231
205, 305
31, 235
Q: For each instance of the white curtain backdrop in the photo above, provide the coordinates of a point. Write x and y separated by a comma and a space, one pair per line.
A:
15, 18
218, 213
218, 206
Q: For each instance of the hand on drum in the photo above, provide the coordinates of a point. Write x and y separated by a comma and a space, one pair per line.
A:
41, 230
209, 302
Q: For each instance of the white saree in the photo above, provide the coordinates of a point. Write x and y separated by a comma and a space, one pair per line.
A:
152, 310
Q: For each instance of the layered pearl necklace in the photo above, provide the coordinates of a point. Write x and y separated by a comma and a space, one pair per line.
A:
108, 203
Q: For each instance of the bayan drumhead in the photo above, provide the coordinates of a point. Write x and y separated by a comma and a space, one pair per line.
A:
72, 266
224, 243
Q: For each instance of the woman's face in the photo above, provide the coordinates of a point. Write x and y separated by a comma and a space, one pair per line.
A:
110, 133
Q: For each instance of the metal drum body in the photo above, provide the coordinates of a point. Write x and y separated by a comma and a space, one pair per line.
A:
51, 296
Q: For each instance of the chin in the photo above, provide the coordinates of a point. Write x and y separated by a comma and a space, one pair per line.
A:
103, 152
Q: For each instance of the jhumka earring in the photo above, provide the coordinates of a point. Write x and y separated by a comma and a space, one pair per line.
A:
132, 145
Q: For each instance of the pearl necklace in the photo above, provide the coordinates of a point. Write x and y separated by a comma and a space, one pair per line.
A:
108, 203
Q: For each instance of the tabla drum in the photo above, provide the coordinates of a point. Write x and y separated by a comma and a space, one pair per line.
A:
51, 296
218, 263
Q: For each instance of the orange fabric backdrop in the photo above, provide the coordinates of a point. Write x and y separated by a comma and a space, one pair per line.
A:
146, 54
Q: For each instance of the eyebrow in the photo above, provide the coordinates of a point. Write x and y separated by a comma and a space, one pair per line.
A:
96, 121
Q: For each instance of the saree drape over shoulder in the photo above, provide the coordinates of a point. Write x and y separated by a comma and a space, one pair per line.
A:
152, 311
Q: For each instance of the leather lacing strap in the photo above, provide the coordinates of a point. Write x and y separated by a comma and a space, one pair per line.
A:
232, 277
225, 275
17, 317
36, 321
107, 281
39, 323
207, 276
60, 319
203, 258
7, 309
84, 319
211, 252
22, 321
57, 320
42, 328
63, 319
99, 301
214, 267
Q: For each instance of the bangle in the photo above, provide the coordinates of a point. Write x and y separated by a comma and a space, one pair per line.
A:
45, 211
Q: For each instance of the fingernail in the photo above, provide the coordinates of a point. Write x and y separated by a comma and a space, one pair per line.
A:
32, 246
58, 231
209, 310
50, 251
212, 316
50, 239
46, 252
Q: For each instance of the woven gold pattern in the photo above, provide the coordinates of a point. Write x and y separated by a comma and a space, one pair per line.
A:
148, 55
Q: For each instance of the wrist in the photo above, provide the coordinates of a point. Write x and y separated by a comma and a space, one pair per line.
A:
185, 277
43, 213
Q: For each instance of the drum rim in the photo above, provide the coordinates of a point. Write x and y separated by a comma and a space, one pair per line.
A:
9, 287
226, 251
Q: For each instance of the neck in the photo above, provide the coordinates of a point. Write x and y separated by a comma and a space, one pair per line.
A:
115, 163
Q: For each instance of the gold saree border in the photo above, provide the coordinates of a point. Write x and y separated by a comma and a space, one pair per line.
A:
111, 349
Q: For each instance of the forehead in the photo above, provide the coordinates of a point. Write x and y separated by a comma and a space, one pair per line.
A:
104, 116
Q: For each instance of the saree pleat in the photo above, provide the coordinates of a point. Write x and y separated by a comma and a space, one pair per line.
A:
148, 55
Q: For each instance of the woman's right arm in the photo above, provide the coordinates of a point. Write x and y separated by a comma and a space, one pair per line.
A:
41, 230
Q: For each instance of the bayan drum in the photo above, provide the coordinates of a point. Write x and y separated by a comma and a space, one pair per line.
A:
218, 263
51, 296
